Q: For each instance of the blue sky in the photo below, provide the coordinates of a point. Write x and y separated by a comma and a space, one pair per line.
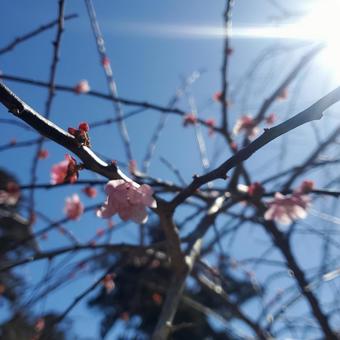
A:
149, 67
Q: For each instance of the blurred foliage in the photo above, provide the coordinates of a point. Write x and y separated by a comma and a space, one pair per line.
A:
140, 286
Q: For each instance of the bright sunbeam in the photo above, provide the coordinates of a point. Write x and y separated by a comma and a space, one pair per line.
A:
322, 24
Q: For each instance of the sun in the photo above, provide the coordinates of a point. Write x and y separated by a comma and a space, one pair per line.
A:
322, 24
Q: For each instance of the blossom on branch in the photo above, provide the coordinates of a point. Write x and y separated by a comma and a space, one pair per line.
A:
306, 187
108, 283
255, 190
246, 124
82, 87
90, 191
64, 171
128, 200
287, 208
74, 208
81, 134
189, 119
271, 118
283, 95
11, 195
43, 154
211, 123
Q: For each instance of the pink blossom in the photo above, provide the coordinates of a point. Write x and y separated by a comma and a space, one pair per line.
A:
255, 190
229, 51
106, 61
73, 207
39, 325
43, 154
211, 124
283, 95
90, 191
65, 170
189, 119
247, 125
306, 187
108, 283
287, 208
128, 199
82, 87
11, 195
271, 118
100, 232
218, 96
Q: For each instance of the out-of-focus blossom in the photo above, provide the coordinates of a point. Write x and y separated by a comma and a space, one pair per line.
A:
234, 146
255, 190
128, 200
81, 134
189, 119
64, 171
90, 191
43, 154
306, 187
11, 195
108, 283
287, 208
125, 316
247, 125
229, 51
283, 95
218, 97
157, 298
211, 123
74, 208
271, 118
106, 61
82, 87
100, 232
39, 325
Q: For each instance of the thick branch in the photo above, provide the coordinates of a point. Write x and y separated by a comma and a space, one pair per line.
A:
314, 112
46, 128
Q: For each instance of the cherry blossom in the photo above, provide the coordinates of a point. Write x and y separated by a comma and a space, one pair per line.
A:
255, 190
128, 200
108, 283
306, 187
287, 208
106, 61
43, 154
229, 51
189, 119
246, 124
100, 232
82, 87
283, 95
11, 195
218, 96
157, 298
271, 118
211, 123
90, 191
65, 170
74, 208
39, 325
81, 134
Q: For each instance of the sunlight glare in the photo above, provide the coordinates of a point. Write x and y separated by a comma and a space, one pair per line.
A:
322, 24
